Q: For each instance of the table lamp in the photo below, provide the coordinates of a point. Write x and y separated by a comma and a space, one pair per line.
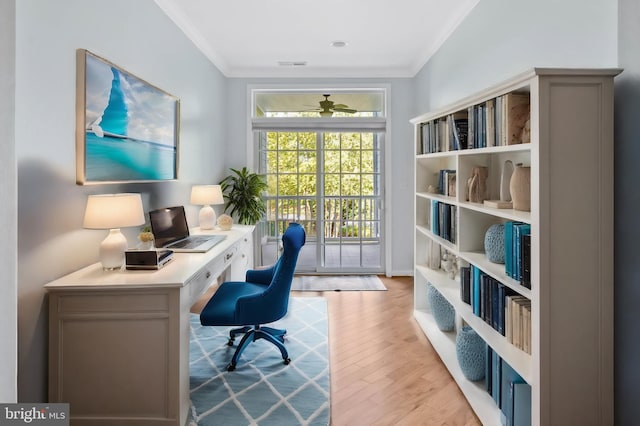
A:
205, 195
113, 211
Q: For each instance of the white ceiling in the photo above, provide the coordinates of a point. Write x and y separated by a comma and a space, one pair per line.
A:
386, 38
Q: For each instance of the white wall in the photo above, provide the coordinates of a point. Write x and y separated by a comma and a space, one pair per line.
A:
400, 138
9, 197
499, 39
51, 242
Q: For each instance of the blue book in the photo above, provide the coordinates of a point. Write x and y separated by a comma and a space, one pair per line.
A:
516, 250
446, 222
525, 229
495, 304
501, 306
434, 217
488, 366
476, 289
484, 306
508, 376
519, 229
496, 371
521, 396
508, 246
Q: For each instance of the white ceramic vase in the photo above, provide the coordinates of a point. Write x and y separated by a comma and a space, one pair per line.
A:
520, 187
505, 181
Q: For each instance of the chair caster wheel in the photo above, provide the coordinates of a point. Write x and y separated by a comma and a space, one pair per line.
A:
230, 342
231, 367
287, 361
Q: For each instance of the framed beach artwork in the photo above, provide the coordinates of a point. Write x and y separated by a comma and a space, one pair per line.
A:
127, 130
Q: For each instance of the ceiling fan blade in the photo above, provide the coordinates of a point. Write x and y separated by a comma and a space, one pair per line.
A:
340, 106
348, 110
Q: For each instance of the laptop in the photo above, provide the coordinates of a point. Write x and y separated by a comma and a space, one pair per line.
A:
170, 231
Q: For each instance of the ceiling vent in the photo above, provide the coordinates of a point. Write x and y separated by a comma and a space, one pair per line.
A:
292, 63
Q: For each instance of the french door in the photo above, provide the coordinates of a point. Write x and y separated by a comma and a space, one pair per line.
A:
331, 183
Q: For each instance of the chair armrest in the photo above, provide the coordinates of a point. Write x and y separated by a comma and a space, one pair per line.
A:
260, 276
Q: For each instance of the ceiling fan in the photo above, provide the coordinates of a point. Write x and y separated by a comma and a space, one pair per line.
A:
327, 107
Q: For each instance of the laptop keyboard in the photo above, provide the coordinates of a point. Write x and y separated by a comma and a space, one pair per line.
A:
192, 242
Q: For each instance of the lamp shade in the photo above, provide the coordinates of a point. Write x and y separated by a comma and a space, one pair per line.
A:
113, 211
203, 195
109, 211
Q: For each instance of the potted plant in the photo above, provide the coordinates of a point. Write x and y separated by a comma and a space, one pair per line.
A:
242, 195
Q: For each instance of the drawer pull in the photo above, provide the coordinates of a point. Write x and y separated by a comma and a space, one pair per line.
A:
208, 274
229, 256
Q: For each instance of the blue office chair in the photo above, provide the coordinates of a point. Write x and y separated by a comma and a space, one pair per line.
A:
262, 299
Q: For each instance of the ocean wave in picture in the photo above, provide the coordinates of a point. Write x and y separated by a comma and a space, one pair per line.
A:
110, 159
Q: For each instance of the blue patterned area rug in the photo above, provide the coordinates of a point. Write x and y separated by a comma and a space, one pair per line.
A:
262, 390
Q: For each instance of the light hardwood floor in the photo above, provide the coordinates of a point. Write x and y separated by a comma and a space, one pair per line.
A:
383, 369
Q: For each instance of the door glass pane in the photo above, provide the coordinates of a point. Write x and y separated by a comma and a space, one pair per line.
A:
328, 182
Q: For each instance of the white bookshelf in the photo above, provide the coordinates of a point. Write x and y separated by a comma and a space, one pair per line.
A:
570, 368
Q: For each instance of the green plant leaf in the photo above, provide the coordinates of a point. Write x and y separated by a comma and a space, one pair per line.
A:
242, 192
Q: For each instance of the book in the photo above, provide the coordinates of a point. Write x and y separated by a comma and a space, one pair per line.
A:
519, 230
435, 220
502, 294
526, 261
508, 248
465, 281
521, 399
483, 296
507, 378
496, 373
461, 125
488, 369
471, 137
498, 121
490, 118
475, 289
495, 304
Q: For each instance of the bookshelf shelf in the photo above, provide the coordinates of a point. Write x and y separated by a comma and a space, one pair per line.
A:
564, 117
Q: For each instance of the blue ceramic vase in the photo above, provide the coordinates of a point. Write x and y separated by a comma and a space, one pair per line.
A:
494, 243
471, 351
442, 310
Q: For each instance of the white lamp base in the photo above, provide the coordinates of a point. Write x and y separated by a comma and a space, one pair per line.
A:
112, 250
207, 217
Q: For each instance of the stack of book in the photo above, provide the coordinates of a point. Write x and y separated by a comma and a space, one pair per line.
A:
447, 182
445, 134
499, 121
517, 252
499, 306
496, 122
443, 220
518, 327
508, 389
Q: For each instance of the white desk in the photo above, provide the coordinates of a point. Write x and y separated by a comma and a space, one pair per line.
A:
119, 340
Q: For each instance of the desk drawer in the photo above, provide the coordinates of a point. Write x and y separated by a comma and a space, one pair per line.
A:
205, 276
111, 302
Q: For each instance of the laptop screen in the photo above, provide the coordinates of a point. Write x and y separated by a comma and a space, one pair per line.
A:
168, 225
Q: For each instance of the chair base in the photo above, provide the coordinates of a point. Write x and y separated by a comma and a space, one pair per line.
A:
251, 334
